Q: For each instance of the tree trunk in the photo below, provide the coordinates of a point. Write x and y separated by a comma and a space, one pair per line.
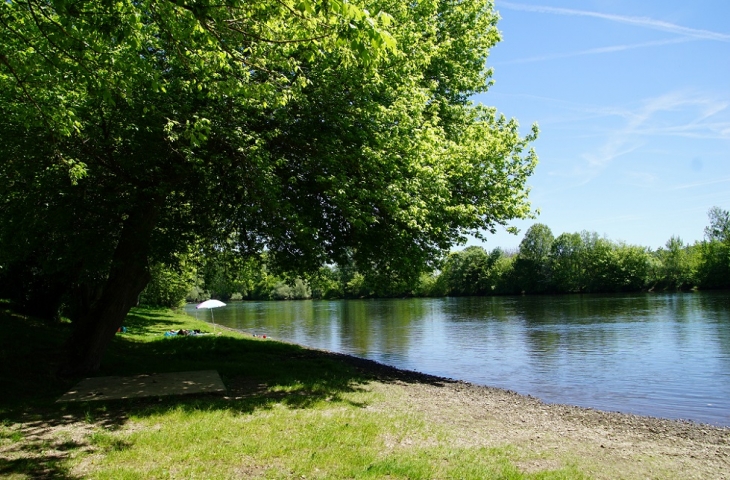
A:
128, 275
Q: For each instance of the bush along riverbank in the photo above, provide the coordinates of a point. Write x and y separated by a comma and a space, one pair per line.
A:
291, 412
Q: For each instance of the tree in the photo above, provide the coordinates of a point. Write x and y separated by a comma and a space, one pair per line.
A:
168, 287
466, 271
532, 266
713, 270
431, 285
677, 269
298, 291
608, 266
312, 130
631, 268
566, 256
719, 228
714, 264
326, 283
473, 271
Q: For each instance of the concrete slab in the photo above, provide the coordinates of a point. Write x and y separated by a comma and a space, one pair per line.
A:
152, 385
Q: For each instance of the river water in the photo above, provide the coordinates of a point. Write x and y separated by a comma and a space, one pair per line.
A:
663, 355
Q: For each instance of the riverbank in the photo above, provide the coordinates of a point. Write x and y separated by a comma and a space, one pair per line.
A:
291, 412
599, 444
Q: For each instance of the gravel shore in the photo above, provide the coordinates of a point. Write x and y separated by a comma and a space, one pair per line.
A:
606, 445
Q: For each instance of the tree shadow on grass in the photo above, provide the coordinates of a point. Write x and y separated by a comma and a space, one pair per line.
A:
48, 467
38, 435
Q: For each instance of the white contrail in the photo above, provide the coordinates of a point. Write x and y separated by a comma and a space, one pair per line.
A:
638, 21
700, 184
599, 50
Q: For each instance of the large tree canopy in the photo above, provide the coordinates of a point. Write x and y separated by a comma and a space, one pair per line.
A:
133, 130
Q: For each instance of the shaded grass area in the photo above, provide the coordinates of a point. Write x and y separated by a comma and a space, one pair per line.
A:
289, 412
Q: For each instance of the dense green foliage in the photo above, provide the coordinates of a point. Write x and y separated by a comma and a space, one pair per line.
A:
138, 132
587, 263
569, 263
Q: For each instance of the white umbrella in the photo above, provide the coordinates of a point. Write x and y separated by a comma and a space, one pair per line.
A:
210, 305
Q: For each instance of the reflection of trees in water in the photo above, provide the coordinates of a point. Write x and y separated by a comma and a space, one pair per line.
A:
581, 325
550, 329
382, 325
627, 325
485, 321
715, 306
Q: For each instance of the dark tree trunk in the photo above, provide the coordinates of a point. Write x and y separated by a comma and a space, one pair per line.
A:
128, 275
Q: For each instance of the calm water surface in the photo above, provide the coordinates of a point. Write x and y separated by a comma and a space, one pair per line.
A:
665, 355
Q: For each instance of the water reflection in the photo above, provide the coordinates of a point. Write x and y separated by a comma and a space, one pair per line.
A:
654, 354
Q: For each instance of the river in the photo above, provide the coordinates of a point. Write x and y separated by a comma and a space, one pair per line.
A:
663, 355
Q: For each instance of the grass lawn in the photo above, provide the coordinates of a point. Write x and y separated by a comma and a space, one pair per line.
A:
289, 412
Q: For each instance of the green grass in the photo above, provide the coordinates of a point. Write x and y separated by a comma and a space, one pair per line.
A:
289, 413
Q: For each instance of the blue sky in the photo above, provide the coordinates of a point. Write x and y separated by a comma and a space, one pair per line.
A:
633, 103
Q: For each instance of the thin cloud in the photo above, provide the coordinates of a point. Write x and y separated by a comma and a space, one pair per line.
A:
651, 120
577, 111
600, 50
700, 184
644, 22
701, 108
708, 131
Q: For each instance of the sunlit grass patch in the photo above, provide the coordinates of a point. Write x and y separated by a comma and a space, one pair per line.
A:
328, 440
9, 433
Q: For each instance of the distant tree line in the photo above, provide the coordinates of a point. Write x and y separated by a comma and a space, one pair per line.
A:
569, 263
